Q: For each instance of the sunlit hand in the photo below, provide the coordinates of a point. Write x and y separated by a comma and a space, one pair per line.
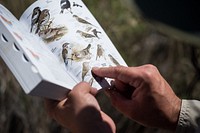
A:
80, 112
150, 100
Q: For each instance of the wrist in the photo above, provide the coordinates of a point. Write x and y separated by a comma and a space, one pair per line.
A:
175, 114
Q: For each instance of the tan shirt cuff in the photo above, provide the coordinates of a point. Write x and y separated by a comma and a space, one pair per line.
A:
189, 119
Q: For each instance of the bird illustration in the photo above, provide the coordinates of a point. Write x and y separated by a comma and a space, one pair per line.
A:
95, 32
113, 60
65, 53
91, 81
85, 69
52, 34
35, 17
43, 19
65, 4
84, 34
81, 20
84, 53
77, 5
100, 51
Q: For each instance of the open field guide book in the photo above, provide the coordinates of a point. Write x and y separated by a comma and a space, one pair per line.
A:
54, 46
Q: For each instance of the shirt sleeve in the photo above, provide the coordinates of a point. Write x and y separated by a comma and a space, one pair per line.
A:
189, 118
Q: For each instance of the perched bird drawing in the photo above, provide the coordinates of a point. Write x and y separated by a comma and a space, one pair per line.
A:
81, 20
51, 34
43, 19
65, 53
91, 81
113, 60
65, 4
76, 5
83, 54
100, 51
84, 34
95, 32
85, 69
35, 17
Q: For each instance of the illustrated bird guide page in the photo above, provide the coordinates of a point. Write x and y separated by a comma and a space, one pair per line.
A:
56, 43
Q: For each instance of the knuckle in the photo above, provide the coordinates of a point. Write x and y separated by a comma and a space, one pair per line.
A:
79, 89
150, 66
85, 84
150, 71
120, 70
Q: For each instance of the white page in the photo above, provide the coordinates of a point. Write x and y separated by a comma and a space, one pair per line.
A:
82, 39
43, 61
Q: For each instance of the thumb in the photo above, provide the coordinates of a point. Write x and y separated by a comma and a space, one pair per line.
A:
82, 87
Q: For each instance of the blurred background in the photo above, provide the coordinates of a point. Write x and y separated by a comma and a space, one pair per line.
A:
137, 42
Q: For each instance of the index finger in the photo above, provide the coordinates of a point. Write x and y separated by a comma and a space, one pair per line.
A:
121, 73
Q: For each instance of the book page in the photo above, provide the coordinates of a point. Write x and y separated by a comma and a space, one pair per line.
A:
73, 35
20, 45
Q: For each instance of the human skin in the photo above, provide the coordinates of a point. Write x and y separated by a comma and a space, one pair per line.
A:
150, 100
80, 111
140, 93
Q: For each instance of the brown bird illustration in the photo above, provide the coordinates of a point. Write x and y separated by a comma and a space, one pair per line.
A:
84, 34
43, 19
113, 60
47, 33
85, 53
65, 53
91, 81
81, 20
100, 51
85, 69
51, 34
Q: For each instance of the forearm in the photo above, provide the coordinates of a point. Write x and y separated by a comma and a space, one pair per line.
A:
189, 119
